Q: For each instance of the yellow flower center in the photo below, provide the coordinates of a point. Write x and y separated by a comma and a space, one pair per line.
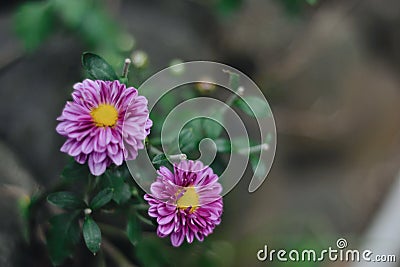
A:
104, 115
189, 199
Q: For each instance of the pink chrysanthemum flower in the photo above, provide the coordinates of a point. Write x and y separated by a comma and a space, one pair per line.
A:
186, 203
93, 120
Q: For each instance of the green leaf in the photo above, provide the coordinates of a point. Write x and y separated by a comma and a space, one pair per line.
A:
186, 140
123, 80
160, 160
196, 126
66, 200
97, 67
91, 234
145, 220
123, 194
101, 199
168, 101
223, 145
293, 7
33, 23
99, 28
312, 2
24, 207
227, 7
72, 12
259, 108
213, 129
133, 229
63, 236
113, 179
75, 171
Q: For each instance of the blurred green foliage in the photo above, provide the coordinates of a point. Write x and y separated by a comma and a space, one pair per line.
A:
225, 7
63, 236
296, 7
292, 7
88, 20
34, 23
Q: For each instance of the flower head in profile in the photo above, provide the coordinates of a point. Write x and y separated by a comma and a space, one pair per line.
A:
187, 203
93, 120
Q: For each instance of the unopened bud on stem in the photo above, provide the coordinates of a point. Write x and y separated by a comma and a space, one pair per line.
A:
178, 157
87, 211
125, 70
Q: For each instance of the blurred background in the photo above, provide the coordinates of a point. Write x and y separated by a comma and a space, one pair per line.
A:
329, 69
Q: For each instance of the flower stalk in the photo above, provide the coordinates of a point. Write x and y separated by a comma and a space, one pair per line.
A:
125, 70
254, 149
238, 91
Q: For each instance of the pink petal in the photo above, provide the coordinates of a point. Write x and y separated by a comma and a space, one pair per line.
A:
96, 169
66, 146
177, 238
112, 148
166, 229
75, 149
189, 236
117, 158
166, 219
88, 145
98, 157
81, 158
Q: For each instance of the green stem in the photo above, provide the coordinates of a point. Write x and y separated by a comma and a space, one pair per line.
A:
136, 195
253, 149
154, 149
125, 70
156, 141
238, 90
89, 187
42, 196
141, 206
229, 102
116, 255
